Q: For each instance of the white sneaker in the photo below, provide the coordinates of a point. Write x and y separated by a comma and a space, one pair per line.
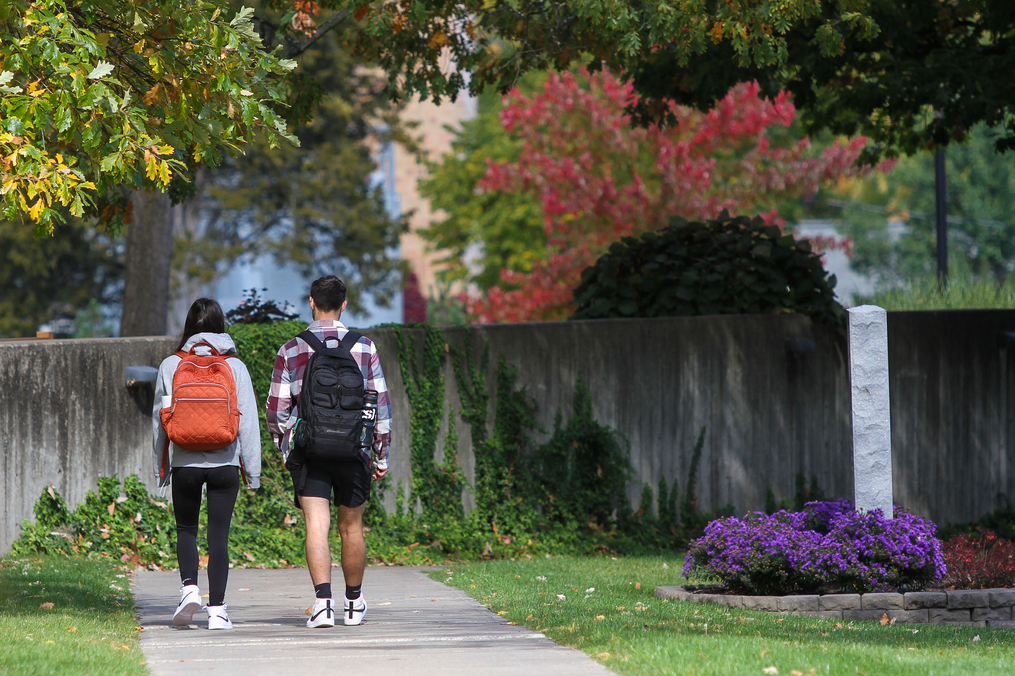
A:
323, 614
355, 610
218, 618
190, 603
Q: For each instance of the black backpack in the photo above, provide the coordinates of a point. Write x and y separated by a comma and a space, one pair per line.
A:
331, 402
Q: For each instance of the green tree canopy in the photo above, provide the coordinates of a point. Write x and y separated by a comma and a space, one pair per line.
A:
104, 93
908, 74
42, 279
312, 206
484, 230
981, 215
497, 40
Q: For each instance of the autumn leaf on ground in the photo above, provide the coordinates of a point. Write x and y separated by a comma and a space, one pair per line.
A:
72, 628
771, 670
47, 605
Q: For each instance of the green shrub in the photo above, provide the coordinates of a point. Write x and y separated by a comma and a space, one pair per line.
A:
726, 266
134, 527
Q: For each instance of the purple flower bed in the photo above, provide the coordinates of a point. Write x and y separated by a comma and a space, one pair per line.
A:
828, 545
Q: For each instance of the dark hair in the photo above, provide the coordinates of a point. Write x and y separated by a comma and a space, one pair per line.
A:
328, 293
205, 316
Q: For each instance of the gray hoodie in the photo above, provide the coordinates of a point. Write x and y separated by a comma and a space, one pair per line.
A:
248, 442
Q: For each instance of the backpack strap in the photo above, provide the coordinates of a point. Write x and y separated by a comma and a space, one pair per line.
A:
165, 459
348, 340
312, 340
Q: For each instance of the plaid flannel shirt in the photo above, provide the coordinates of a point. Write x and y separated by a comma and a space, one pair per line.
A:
287, 380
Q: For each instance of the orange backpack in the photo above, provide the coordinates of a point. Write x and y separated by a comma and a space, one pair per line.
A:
204, 414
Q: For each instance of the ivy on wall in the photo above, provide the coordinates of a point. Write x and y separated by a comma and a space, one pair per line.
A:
565, 496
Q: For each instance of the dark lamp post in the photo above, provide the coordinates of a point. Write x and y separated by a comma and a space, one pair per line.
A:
941, 213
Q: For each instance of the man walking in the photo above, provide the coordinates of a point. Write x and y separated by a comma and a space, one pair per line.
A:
315, 473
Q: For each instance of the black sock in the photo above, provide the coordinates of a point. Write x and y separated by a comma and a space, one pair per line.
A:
189, 580
352, 593
323, 590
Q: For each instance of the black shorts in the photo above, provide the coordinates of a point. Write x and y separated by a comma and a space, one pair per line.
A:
350, 480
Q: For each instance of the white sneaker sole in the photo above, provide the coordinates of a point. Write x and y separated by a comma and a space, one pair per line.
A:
185, 614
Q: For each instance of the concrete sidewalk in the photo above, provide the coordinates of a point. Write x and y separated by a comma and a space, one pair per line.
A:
412, 623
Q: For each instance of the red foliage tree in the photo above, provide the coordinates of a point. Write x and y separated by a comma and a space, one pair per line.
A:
599, 178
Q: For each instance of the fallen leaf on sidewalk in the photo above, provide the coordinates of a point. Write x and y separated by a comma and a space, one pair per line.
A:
386, 603
243, 589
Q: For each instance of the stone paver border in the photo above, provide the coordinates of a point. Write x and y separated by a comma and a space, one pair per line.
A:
993, 608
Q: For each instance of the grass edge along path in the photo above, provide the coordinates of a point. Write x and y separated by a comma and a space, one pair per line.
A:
67, 616
605, 607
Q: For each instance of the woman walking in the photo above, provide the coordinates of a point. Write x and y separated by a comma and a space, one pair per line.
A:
206, 434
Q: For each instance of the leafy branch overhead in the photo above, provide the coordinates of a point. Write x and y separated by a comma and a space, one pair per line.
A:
108, 93
497, 40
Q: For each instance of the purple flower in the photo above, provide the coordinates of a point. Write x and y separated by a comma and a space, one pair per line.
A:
829, 543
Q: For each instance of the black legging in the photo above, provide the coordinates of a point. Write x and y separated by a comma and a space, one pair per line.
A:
223, 485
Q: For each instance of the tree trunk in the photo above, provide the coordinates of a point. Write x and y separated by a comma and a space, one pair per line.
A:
149, 261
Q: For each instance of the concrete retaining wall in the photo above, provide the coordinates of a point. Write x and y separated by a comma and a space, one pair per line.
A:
771, 391
66, 419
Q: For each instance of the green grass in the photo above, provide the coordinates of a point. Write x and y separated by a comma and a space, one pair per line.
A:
90, 628
625, 627
959, 294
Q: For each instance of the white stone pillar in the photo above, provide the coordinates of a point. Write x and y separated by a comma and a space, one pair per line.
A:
872, 427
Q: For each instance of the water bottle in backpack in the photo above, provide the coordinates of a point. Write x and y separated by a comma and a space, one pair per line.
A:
366, 440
